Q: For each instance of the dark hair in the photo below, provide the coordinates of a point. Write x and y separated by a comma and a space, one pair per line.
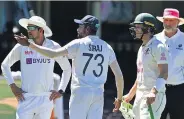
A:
41, 28
92, 29
151, 29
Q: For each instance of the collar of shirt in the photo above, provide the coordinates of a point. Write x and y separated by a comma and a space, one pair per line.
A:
45, 42
149, 42
173, 38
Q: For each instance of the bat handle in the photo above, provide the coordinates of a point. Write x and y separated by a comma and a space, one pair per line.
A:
150, 111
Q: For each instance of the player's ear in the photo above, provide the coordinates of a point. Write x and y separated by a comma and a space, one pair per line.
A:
88, 29
40, 30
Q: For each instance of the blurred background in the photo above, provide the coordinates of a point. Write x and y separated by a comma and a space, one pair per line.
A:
114, 16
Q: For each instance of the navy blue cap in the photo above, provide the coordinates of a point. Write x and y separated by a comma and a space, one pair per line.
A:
90, 20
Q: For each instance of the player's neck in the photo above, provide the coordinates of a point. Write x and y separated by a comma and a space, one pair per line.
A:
146, 39
170, 34
39, 41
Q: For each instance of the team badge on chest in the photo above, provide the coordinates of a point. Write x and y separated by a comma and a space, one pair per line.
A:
147, 51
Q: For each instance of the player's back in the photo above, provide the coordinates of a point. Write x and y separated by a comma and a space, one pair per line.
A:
90, 65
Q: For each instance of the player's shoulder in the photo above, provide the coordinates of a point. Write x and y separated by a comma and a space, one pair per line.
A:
80, 40
51, 42
157, 43
160, 37
18, 46
107, 44
181, 36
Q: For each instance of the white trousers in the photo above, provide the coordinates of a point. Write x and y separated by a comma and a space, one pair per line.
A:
35, 107
86, 103
140, 107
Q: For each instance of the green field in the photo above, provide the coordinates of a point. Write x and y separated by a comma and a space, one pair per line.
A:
6, 112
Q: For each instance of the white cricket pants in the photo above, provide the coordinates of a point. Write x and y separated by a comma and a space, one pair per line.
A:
35, 106
140, 107
86, 103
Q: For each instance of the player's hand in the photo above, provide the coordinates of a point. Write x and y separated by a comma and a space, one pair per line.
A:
117, 104
54, 95
127, 98
23, 40
17, 92
151, 98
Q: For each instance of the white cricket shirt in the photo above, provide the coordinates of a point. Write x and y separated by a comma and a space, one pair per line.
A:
91, 58
36, 69
175, 46
148, 58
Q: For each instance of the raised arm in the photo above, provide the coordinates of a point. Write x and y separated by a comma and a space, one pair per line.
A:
49, 52
70, 48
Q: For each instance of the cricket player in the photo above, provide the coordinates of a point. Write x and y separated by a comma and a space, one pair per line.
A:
172, 37
152, 69
36, 95
91, 57
58, 106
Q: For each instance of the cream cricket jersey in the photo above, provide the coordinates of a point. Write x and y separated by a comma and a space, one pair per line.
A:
175, 46
91, 57
149, 56
36, 69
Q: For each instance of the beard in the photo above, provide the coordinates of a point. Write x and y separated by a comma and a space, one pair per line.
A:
169, 28
30, 36
80, 36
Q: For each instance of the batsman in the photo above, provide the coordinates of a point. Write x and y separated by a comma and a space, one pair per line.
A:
152, 70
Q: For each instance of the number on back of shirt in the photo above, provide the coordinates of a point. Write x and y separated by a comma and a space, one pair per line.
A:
92, 57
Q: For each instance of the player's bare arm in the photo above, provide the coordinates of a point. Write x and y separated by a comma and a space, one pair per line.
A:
119, 84
23, 40
128, 97
160, 83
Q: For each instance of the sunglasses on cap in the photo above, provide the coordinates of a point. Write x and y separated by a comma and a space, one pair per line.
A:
32, 28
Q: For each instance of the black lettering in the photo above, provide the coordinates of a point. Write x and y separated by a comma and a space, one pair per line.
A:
99, 48
94, 48
48, 60
89, 47
38, 60
44, 60
34, 60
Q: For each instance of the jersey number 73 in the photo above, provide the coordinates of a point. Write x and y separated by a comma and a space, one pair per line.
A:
90, 57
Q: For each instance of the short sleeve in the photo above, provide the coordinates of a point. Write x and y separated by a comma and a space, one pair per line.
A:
161, 54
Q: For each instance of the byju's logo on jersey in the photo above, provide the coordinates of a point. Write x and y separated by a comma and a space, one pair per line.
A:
34, 60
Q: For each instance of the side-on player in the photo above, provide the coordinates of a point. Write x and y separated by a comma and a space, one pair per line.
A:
152, 69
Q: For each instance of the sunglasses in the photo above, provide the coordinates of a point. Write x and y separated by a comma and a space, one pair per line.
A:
32, 28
